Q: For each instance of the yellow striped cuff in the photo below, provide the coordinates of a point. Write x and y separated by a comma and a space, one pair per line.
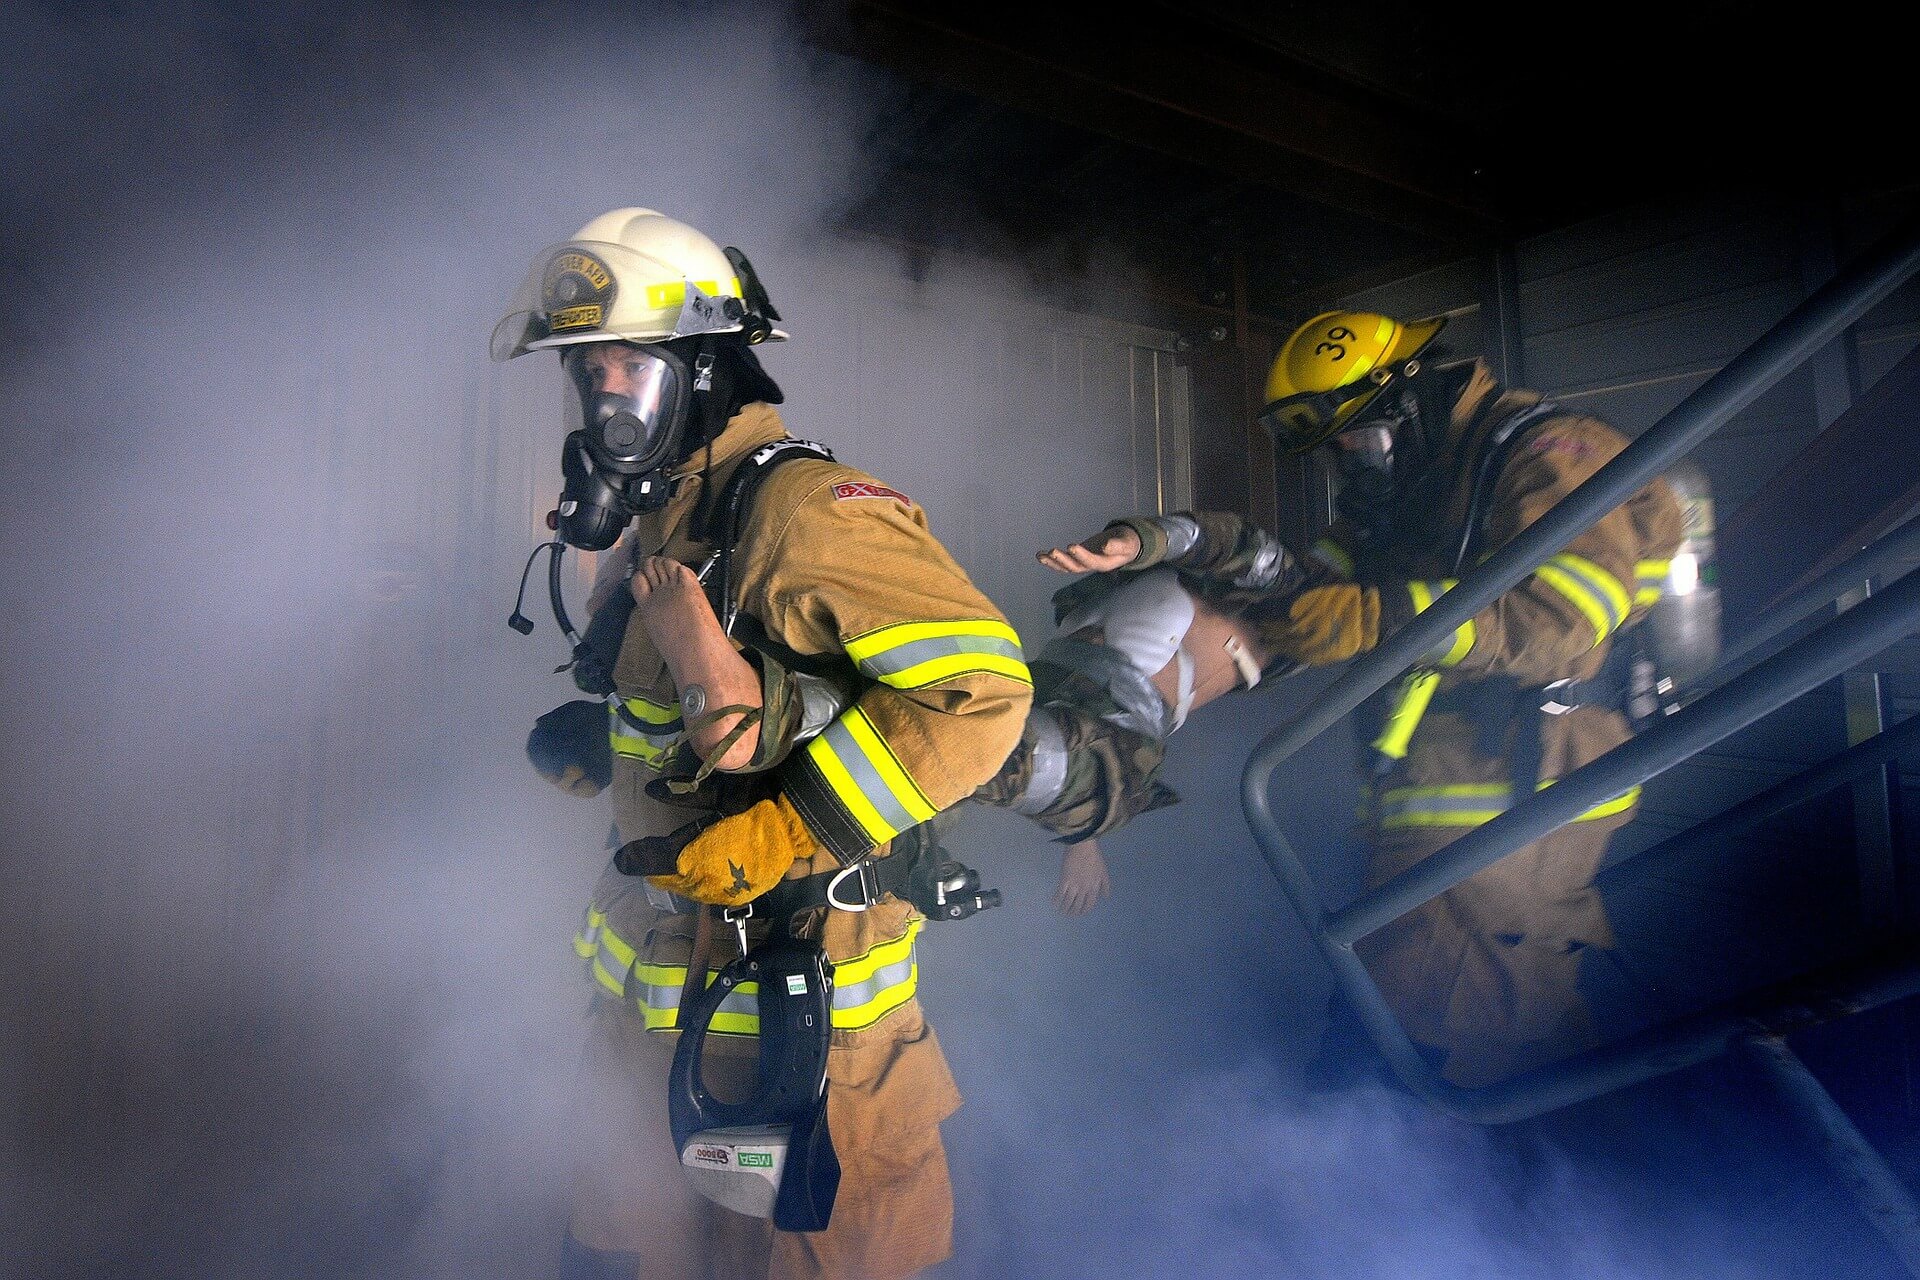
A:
863, 774
913, 655
1595, 593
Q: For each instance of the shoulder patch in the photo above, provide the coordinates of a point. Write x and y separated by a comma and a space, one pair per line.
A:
866, 489
1558, 442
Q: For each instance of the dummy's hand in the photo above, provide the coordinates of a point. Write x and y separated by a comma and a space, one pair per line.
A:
1109, 549
739, 858
1083, 879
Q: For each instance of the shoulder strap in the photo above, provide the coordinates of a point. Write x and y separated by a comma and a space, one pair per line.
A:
735, 500
1496, 447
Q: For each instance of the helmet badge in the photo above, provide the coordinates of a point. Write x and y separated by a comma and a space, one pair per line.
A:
576, 291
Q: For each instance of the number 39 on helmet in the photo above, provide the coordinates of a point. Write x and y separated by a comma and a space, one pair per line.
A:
1332, 366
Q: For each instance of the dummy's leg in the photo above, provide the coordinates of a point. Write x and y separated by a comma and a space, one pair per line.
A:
707, 670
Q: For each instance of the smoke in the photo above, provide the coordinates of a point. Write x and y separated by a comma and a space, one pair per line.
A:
283, 961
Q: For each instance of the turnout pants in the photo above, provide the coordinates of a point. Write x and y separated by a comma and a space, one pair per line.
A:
888, 1090
1488, 973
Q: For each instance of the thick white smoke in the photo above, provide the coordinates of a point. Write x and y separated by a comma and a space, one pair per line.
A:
283, 963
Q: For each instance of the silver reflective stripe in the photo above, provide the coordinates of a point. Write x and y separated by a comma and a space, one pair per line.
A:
1047, 764
1268, 562
665, 997
1594, 587
1142, 709
900, 657
855, 994
878, 794
821, 702
1181, 532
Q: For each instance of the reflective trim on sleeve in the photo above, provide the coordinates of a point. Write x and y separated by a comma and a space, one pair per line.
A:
1597, 594
1649, 579
587, 941
1469, 804
642, 730
1424, 594
913, 655
868, 780
1333, 556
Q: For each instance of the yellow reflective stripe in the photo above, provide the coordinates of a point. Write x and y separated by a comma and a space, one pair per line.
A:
617, 947
1416, 691
865, 989
868, 987
863, 966
862, 771
652, 712
658, 1001
912, 655
872, 643
586, 943
1650, 577
674, 292
1424, 594
1334, 556
1597, 594
1619, 601
1471, 804
613, 985
628, 741
933, 671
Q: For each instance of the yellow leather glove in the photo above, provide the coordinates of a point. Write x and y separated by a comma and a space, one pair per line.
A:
1328, 624
739, 858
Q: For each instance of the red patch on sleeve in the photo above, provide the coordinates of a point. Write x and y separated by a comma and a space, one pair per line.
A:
861, 489
1572, 446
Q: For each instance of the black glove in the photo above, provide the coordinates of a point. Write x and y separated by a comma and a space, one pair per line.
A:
570, 748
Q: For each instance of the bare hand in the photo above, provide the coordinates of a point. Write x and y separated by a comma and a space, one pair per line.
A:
1083, 879
1109, 549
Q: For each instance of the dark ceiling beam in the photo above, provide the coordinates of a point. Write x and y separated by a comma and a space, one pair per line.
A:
1178, 94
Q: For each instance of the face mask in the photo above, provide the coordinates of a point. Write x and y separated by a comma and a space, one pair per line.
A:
630, 405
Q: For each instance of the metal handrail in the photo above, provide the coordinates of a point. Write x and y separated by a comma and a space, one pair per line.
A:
1810, 662
1804, 330
1854, 635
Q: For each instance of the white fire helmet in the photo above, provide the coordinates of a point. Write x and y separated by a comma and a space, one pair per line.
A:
633, 275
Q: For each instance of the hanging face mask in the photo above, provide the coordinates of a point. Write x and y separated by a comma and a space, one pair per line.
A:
630, 405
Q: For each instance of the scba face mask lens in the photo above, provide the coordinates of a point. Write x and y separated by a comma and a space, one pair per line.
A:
630, 401
630, 405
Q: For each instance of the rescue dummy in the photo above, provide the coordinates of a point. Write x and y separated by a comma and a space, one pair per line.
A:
853, 685
1138, 654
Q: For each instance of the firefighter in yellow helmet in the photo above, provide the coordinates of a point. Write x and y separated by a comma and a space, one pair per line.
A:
1440, 466
882, 687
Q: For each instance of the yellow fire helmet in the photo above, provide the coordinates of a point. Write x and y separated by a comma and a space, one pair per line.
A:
633, 275
1331, 366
